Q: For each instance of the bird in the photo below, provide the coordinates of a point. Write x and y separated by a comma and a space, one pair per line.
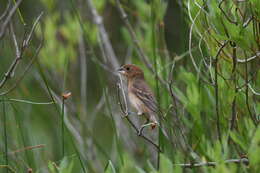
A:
140, 94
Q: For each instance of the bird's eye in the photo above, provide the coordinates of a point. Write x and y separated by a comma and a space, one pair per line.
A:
127, 68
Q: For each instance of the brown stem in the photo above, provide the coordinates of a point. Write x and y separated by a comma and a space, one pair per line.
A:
216, 90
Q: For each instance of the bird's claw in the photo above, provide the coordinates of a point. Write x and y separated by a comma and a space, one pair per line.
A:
140, 131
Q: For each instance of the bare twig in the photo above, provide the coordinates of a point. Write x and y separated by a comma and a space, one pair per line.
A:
190, 38
29, 37
26, 101
253, 90
174, 101
83, 71
97, 19
8, 167
27, 68
227, 17
248, 21
6, 10
234, 78
19, 52
193, 165
247, 92
8, 18
27, 148
133, 35
6, 158
216, 89
247, 82
249, 59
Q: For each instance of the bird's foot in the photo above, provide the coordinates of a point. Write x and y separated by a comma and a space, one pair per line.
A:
140, 131
154, 124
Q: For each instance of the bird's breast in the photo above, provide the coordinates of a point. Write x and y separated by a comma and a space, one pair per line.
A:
136, 103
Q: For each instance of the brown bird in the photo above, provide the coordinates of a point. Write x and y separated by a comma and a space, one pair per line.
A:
140, 95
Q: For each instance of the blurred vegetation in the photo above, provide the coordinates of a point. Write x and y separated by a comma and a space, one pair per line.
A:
203, 65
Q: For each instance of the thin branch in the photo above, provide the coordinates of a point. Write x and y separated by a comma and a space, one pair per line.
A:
27, 148
6, 10
190, 38
194, 165
249, 59
234, 78
133, 35
247, 93
248, 21
247, 82
83, 71
174, 101
19, 52
97, 19
216, 89
28, 67
8, 167
8, 18
29, 37
26, 101
253, 91
5, 136
226, 16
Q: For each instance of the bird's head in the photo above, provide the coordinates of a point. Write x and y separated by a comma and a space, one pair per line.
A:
131, 71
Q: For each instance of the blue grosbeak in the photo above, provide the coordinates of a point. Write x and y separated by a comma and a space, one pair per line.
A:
140, 95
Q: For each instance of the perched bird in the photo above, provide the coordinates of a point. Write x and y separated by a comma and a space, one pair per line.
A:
140, 95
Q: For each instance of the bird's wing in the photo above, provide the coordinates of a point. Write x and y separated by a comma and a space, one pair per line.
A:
144, 93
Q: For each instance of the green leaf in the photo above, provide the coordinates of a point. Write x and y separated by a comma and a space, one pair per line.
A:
237, 139
51, 167
110, 168
254, 150
166, 165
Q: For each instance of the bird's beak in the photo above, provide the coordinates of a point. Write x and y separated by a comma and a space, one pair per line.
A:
121, 70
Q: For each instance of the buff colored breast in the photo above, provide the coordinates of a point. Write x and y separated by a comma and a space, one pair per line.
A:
137, 103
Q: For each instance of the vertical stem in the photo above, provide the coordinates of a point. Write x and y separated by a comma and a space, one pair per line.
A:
83, 72
247, 98
153, 23
216, 90
5, 136
62, 127
216, 99
234, 78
